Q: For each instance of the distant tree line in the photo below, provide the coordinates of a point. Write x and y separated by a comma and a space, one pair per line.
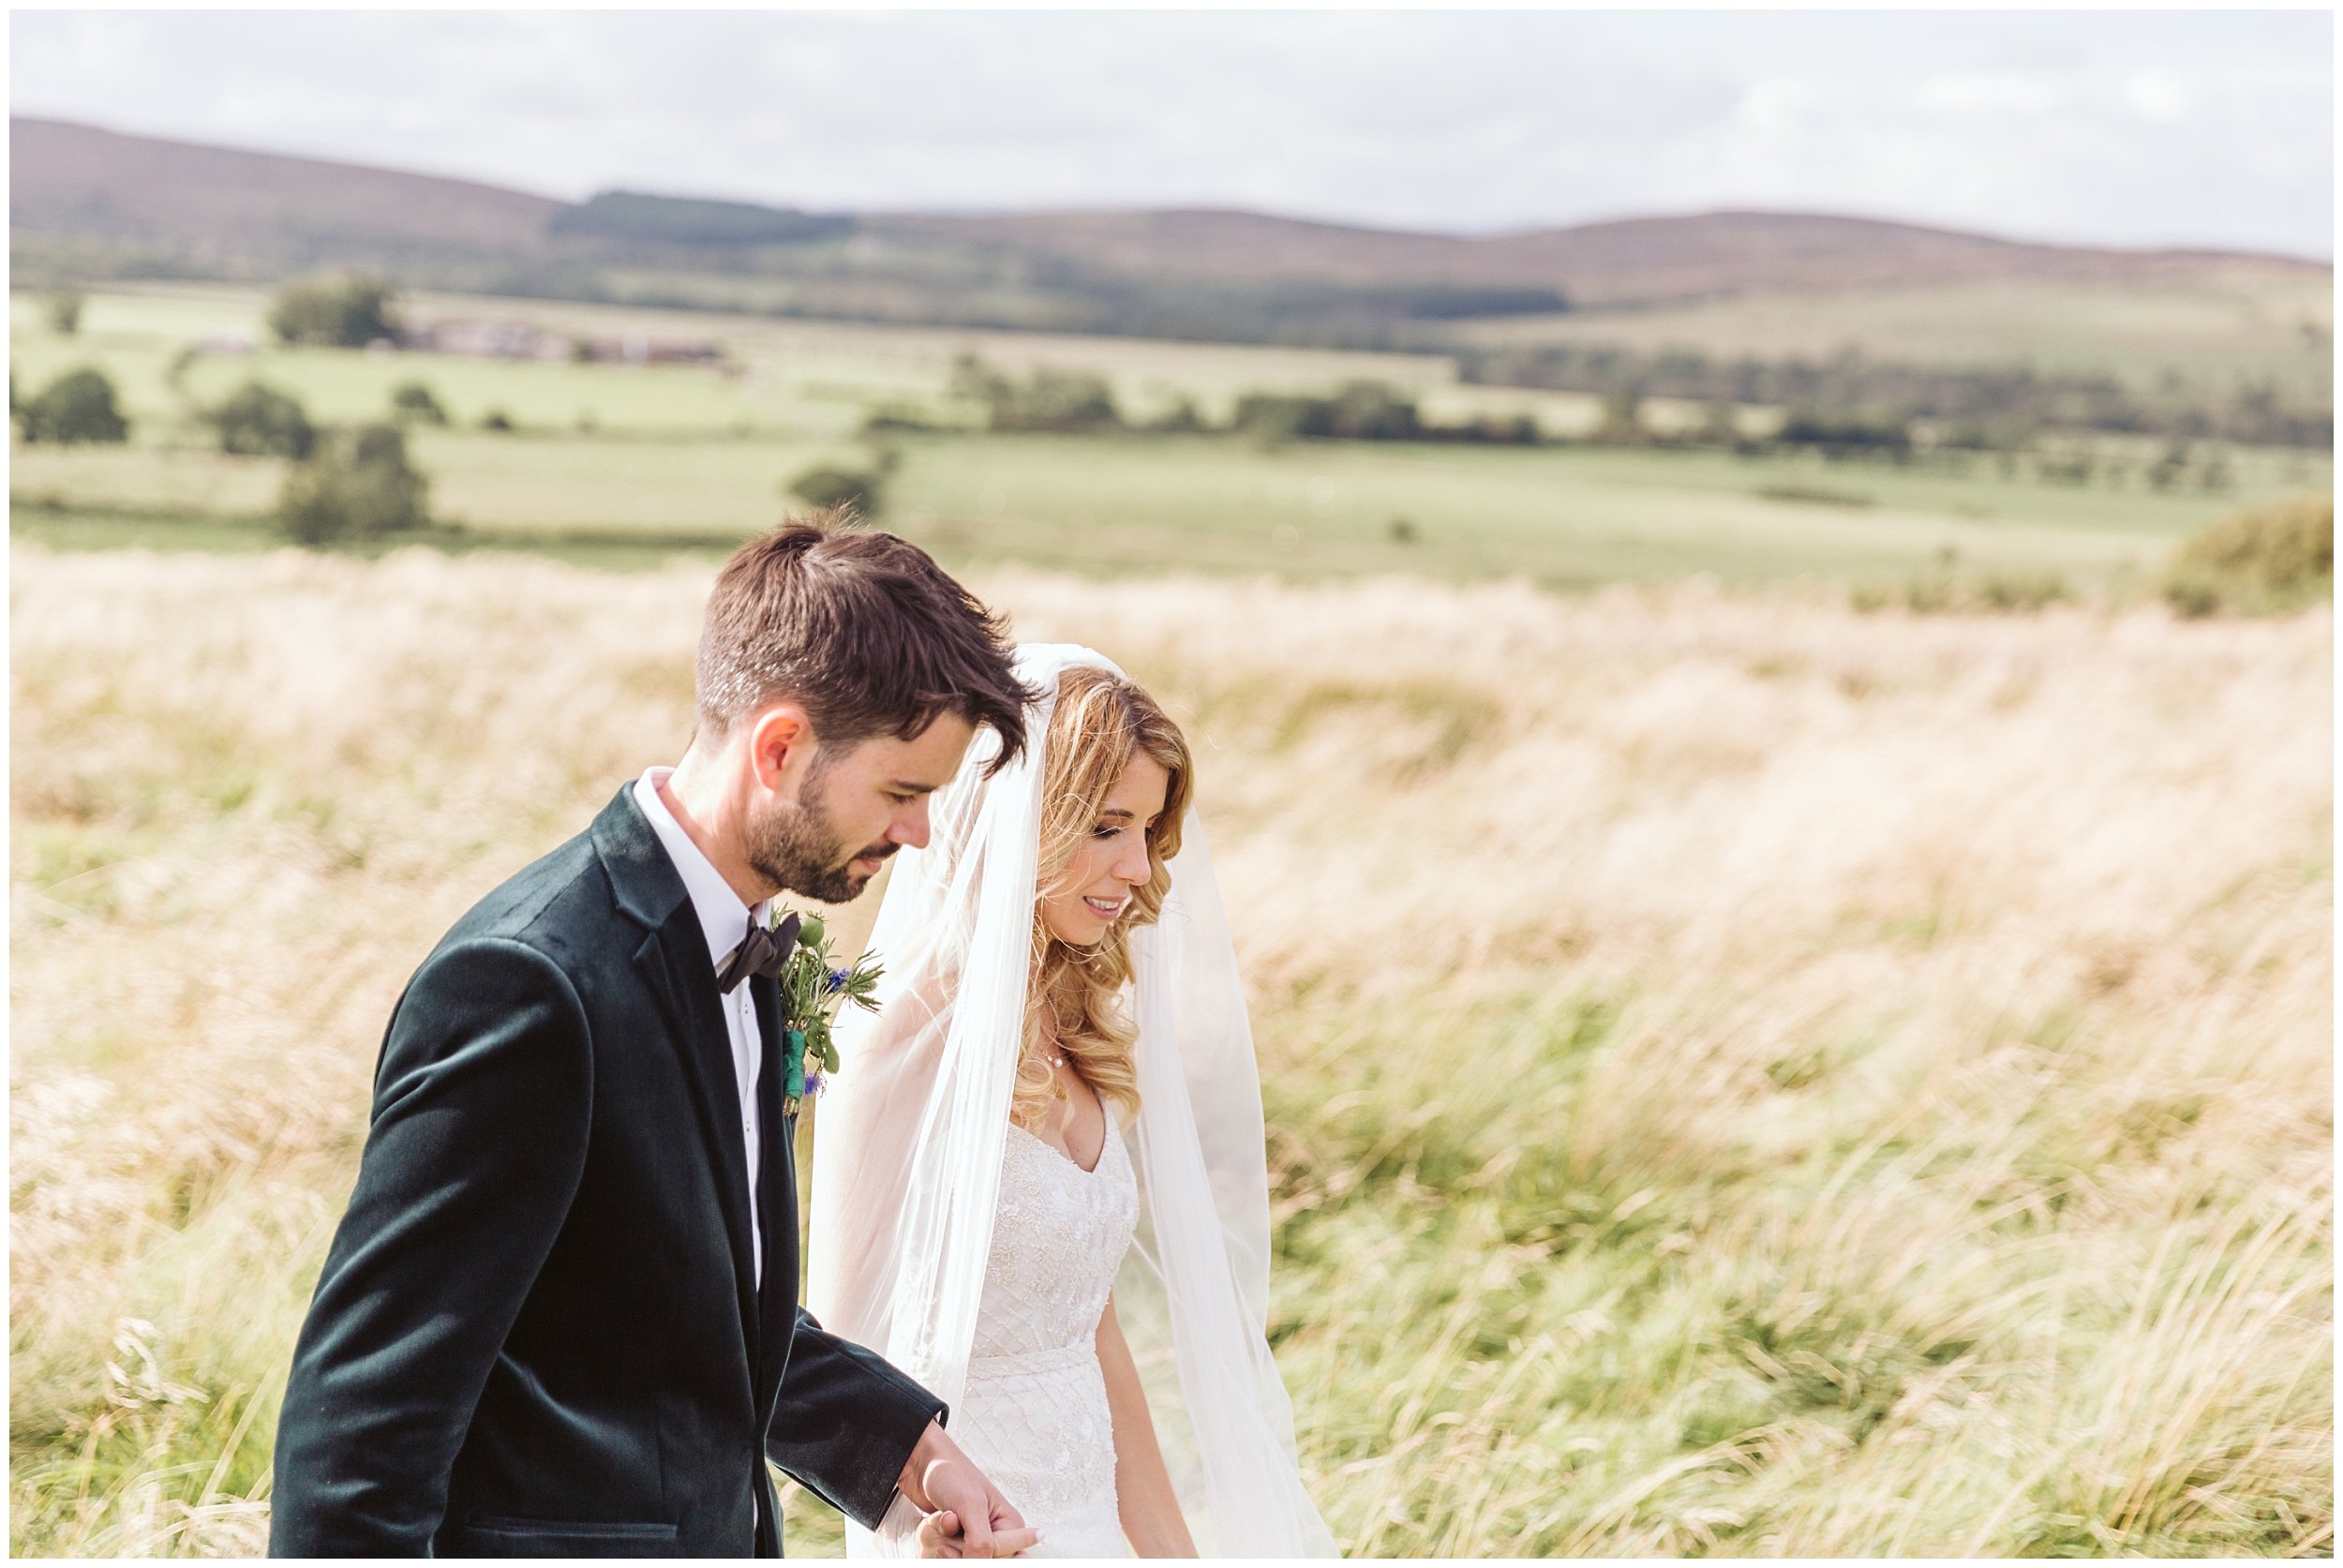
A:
1073, 401
688, 255
1062, 401
740, 237
1038, 294
1303, 313
1046, 399
631, 215
1366, 410
1981, 408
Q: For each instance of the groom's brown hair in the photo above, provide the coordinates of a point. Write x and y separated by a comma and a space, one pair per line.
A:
862, 630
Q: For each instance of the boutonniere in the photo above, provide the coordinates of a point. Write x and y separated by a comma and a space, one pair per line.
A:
814, 987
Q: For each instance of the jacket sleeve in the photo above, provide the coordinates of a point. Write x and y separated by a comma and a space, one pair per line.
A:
482, 1107
846, 1421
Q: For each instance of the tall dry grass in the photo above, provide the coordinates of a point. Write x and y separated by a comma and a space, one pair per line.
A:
1744, 1077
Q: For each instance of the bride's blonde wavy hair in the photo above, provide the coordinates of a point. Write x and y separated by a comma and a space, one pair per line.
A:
1075, 997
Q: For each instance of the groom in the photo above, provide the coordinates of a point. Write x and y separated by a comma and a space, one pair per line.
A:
561, 1317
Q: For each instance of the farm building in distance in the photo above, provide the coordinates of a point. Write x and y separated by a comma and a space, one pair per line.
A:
525, 340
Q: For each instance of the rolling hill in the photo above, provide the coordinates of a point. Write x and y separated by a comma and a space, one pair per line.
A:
85, 201
197, 208
1639, 261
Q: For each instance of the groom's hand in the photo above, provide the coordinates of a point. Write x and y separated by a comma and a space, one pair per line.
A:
965, 1517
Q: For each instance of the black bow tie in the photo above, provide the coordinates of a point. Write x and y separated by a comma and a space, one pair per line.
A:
761, 952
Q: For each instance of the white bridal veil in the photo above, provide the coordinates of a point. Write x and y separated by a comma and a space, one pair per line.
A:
909, 1134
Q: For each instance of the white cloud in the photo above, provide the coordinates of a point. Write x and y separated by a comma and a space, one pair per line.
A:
1993, 93
2157, 95
2119, 128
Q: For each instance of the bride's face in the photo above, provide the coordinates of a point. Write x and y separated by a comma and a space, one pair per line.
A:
1112, 860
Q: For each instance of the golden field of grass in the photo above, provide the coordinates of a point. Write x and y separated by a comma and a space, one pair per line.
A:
1744, 1077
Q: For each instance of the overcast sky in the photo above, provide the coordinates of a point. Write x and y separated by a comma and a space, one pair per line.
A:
2213, 128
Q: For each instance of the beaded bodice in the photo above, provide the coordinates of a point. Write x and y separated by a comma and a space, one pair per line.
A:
1059, 1233
1035, 1415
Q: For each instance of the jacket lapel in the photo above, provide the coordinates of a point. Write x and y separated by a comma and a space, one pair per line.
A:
680, 974
776, 1202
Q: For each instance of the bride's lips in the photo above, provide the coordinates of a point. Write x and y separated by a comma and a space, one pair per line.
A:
1106, 909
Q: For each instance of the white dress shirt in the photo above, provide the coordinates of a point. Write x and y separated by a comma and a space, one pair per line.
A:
725, 920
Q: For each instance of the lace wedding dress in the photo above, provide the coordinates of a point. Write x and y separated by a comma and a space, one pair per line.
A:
932, 1211
1035, 1415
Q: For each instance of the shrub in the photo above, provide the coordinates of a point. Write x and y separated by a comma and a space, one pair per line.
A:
2022, 590
891, 418
1360, 412
1812, 495
825, 485
496, 420
1942, 591
1371, 411
359, 486
1271, 417
77, 406
1622, 419
413, 403
1837, 435
1519, 429
258, 420
2266, 558
2166, 470
1058, 400
1047, 399
338, 313
1181, 418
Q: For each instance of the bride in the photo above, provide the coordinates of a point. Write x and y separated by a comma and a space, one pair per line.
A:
1039, 1182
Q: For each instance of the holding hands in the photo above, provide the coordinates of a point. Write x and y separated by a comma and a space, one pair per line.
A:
964, 1515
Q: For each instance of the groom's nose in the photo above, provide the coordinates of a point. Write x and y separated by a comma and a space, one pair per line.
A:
910, 826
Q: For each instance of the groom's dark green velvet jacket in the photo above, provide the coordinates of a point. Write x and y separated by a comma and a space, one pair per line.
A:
536, 1333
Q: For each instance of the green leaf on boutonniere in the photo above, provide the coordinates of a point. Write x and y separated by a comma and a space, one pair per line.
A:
813, 985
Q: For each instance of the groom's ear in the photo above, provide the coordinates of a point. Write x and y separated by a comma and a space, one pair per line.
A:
776, 736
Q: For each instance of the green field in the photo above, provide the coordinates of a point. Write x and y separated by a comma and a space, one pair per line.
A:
2227, 327
636, 462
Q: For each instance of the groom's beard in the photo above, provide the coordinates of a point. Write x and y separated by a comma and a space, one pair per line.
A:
796, 847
